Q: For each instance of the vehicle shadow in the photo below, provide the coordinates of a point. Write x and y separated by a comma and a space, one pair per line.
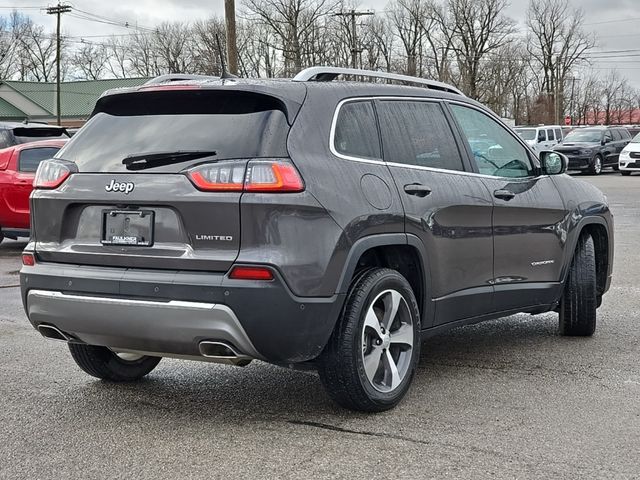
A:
200, 392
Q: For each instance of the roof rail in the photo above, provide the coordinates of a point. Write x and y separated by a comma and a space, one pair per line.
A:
177, 77
327, 74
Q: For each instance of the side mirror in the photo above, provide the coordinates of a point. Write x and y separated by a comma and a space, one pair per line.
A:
606, 140
553, 163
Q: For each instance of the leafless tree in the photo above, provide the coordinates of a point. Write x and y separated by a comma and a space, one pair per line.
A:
557, 43
476, 29
91, 61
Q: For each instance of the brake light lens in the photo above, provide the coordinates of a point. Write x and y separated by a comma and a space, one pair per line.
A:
28, 259
251, 273
274, 176
52, 173
218, 177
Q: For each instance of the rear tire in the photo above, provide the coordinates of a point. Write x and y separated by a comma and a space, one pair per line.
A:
103, 363
579, 300
371, 357
626, 174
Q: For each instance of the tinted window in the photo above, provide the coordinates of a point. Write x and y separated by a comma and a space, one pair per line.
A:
356, 132
616, 135
495, 150
417, 133
558, 134
624, 133
550, 135
29, 159
607, 136
233, 131
542, 137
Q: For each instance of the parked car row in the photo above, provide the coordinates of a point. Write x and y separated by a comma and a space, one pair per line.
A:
589, 149
18, 165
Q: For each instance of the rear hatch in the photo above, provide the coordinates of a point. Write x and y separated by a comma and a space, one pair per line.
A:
131, 204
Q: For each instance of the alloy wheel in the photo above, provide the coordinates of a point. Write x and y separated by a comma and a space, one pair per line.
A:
387, 341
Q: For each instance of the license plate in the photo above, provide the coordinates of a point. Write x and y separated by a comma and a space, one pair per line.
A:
127, 227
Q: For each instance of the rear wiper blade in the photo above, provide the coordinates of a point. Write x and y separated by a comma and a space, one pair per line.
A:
140, 161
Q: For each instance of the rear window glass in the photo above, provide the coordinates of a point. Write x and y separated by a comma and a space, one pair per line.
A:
356, 132
145, 123
30, 159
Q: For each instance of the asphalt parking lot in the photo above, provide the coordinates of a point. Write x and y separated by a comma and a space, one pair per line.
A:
503, 399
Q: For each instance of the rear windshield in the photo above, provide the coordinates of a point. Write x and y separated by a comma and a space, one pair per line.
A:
526, 133
230, 129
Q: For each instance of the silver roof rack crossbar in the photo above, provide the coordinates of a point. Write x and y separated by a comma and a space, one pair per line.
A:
327, 74
178, 77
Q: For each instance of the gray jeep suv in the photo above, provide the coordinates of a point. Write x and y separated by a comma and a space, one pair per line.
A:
309, 223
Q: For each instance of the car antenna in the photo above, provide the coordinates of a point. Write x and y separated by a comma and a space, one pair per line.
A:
223, 74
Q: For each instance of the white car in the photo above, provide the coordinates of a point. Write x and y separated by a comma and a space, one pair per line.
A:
542, 137
629, 160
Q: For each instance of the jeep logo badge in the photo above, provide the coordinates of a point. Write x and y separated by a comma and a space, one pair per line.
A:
124, 187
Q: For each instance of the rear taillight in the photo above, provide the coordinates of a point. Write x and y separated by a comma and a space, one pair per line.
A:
272, 176
256, 176
52, 173
28, 259
218, 177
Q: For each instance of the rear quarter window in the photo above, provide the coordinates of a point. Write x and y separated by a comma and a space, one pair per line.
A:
356, 132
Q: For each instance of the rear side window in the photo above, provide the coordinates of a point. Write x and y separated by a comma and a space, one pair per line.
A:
558, 134
356, 133
616, 135
234, 125
418, 133
30, 158
625, 133
550, 135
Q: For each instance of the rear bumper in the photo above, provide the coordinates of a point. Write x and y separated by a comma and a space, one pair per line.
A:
170, 312
16, 232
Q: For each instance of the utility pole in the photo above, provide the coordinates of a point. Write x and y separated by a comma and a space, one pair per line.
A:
354, 34
232, 47
58, 10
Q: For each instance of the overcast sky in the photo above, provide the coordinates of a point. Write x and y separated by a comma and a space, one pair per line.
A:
615, 22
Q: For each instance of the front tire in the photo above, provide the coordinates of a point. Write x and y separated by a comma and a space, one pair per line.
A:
371, 357
579, 300
105, 364
596, 165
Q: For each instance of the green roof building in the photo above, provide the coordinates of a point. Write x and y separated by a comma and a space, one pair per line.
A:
36, 101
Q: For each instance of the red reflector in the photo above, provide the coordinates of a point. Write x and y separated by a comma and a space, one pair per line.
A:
28, 259
251, 273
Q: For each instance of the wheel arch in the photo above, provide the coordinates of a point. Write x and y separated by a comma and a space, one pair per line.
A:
398, 251
598, 229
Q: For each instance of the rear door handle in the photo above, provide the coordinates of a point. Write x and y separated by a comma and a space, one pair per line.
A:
504, 194
417, 190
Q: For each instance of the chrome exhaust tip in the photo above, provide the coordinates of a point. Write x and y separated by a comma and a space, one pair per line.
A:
222, 352
53, 333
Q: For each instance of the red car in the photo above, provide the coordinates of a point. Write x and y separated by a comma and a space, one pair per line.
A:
18, 165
